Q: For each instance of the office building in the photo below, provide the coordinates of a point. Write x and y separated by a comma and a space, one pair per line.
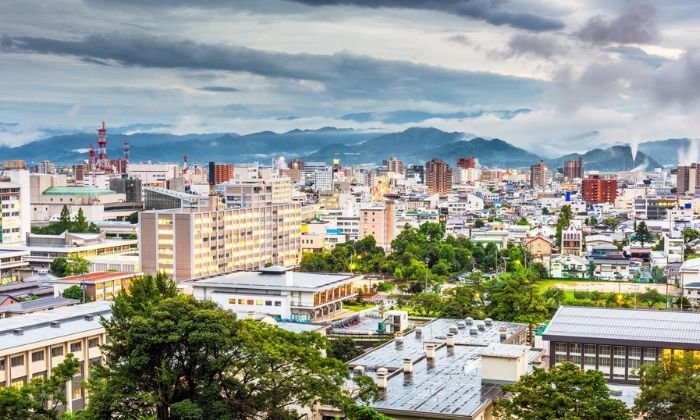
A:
43, 249
10, 215
98, 286
688, 179
154, 174
192, 243
416, 173
393, 165
256, 192
467, 163
130, 187
617, 342
277, 292
538, 175
32, 345
380, 222
12, 261
155, 198
573, 168
323, 179
45, 167
438, 177
596, 189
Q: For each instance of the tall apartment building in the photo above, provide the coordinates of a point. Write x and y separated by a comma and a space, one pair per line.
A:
194, 243
323, 179
538, 175
32, 345
688, 178
15, 207
220, 172
467, 163
438, 177
256, 192
14, 164
573, 168
45, 167
393, 165
596, 189
380, 222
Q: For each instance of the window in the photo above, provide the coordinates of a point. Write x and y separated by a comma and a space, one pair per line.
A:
93, 342
75, 347
17, 361
649, 356
232, 301
57, 351
268, 303
259, 302
251, 302
278, 303
38, 356
241, 301
604, 351
2, 364
560, 347
575, 349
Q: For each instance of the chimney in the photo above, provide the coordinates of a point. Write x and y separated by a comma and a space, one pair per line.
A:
429, 347
419, 332
408, 366
461, 325
382, 374
488, 322
453, 329
503, 333
398, 339
473, 331
481, 326
450, 340
288, 278
359, 370
469, 321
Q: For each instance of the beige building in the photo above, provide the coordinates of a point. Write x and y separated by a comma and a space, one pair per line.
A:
438, 177
538, 175
258, 192
101, 286
193, 243
32, 345
380, 222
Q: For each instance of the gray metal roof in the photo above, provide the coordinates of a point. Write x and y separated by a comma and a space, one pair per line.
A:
625, 326
289, 280
38, 304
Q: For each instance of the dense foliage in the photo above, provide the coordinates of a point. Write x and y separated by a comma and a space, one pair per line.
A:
562, 392
78, 225
71, 266
670, 388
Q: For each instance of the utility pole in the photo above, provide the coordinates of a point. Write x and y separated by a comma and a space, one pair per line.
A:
427, 260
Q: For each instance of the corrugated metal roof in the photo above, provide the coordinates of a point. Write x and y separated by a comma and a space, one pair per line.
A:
77, 190
663, 327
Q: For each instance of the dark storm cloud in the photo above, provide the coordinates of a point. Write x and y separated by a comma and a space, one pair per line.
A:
218, 89
340, 75
637, 25
486, 10
534, 45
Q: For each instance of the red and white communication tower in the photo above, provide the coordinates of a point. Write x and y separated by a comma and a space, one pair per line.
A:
102, 161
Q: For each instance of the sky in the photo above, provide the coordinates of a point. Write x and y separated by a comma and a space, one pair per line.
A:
553, 76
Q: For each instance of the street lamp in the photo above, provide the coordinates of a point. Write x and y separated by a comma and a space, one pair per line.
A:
427, 260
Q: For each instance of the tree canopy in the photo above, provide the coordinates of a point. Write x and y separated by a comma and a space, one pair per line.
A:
80, 224
670, 388
562, 392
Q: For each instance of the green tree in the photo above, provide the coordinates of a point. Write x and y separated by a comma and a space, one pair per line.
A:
133, 218
173, 356
73, 292
41, 398
670, 388
64, 222
81, 224
612, 223
642, 234
565, 216
562, 392
76, 265
523, 222
343, 349
58, 267
516, 297
464, 301
690, 235
427, 303
478, 223
651, 297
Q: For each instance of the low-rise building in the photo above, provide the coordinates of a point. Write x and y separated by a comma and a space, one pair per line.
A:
617, 342
12, 261
32, 345
97, 286
43, 249
278, 292
568, 267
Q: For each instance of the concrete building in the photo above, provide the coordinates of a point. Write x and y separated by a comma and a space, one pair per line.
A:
43, 249
257, 192
156, 198
220, 172
447, 369
32, 345
688, 179
21, 308
12, 261
278, 292
393, 165
15, 205
539, 246
571, 240
568, 267
380, 222
130, 187
14, 164
573, 169
438, 177
617, 342
194, 243
467, 163
323, 179
154, 174
538, 175
596, 189
99, 286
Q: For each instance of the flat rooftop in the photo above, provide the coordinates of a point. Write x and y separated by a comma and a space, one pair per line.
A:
275, 279
625, 326
77, 190
36, 327
96, 277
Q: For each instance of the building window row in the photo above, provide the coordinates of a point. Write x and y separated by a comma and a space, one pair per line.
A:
255, 302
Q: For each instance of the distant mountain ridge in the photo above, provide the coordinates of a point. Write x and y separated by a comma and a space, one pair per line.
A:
413, 145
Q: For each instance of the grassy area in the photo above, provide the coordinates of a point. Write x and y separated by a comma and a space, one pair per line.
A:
357, 307
571, 283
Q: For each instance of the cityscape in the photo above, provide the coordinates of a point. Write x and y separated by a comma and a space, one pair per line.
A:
334, 217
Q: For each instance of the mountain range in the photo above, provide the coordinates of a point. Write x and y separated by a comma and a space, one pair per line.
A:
413, 145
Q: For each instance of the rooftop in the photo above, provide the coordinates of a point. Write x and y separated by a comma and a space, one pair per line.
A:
38, 304
96, 277
628, 326
37, 327
275, 278
77, 190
